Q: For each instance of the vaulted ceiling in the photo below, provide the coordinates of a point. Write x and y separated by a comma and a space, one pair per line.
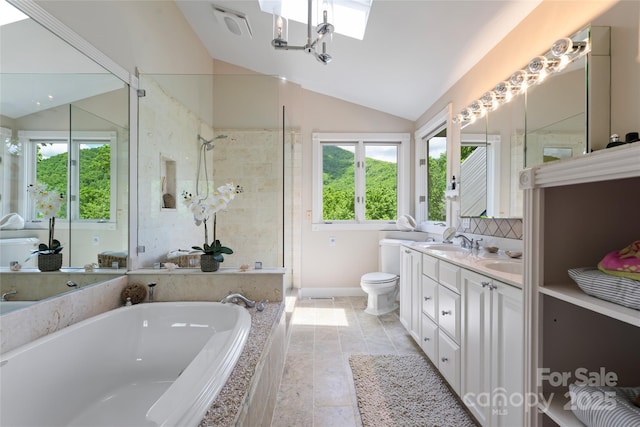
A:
413, 50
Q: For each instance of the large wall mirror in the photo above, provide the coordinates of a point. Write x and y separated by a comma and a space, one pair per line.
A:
545, 122
65, 125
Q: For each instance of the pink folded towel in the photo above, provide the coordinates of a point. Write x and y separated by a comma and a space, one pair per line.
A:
623, 263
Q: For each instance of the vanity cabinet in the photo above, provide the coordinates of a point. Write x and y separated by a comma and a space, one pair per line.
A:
577, 211
492, 365
410, 291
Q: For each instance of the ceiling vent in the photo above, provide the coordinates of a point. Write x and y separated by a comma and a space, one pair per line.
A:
236, 22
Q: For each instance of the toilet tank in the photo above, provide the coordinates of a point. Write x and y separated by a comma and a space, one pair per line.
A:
389, 255
18, 249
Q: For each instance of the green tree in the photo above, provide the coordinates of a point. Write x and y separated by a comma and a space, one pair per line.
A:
95, 180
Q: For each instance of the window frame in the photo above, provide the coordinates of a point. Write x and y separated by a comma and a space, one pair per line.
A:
74, 139
319, 139
441, 120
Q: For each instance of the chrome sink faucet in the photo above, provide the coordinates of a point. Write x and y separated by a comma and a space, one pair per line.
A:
466, 242
235, 298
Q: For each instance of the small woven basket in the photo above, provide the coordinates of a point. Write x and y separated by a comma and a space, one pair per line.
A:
186, 261
106, 261
49, 262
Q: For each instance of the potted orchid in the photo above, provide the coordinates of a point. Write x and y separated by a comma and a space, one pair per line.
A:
48, 203
203, 209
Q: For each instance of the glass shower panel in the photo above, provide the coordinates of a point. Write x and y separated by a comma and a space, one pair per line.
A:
238, 121
98, 195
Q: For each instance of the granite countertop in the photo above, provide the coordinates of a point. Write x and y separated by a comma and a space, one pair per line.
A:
225, 408
472, 259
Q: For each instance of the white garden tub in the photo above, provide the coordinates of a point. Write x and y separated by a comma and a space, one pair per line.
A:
159, 364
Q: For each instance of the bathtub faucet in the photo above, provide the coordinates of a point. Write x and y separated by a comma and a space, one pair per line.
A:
151, 285
235, 297
11, 292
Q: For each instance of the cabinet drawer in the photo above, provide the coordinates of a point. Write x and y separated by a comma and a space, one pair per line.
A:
430, 297
430, 266
449, 360
449, 275
429, 341
449, 312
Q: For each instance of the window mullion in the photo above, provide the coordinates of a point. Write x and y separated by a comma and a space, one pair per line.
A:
360, 182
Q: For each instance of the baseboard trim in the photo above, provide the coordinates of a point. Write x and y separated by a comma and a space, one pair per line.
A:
330, 292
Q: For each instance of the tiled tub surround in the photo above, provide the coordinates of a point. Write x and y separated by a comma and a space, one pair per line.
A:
194, 285
34, 285
248, 398
22, 326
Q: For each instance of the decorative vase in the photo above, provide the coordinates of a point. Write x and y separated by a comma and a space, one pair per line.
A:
208, 263
49, 262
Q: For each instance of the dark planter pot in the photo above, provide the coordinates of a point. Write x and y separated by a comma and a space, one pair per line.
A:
208, 263
49, 262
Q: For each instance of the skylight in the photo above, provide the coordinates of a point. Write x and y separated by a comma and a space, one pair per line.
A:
349, 16
9, 14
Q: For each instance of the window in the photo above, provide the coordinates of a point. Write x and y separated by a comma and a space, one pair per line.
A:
360, 179
80, 165
437, 176
434, 172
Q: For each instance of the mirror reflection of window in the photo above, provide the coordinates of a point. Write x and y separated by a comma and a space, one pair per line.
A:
50, 158
437, 176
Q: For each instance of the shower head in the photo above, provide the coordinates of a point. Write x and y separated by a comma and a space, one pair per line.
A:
209, 143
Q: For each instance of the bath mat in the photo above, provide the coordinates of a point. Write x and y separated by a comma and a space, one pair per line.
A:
404, 390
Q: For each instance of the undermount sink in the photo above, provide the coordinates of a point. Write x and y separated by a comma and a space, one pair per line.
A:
445, 247
503, 265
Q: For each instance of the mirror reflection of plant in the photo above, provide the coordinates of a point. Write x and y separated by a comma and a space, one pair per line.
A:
48, 203
205, 206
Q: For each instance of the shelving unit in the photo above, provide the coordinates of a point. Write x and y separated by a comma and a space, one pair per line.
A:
576, 211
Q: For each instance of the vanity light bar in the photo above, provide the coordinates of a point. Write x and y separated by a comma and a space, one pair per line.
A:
563, 52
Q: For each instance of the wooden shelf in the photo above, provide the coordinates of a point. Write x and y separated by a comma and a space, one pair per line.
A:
571, 293
557, 412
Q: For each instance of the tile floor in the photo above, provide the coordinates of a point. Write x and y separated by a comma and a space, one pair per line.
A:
317, 388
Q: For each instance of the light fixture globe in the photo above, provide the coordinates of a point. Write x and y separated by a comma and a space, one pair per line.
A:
537, 64
518, 78
561, 47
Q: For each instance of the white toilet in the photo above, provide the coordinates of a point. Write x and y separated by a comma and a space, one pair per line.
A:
382, 286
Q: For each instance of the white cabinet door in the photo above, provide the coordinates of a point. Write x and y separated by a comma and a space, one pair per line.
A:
430, 297
429, 342
416, 295
405, 287
449, 312
476, 345
507, 353
411, 291
449, 360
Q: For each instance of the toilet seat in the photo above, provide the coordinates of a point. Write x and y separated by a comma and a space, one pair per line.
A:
378, 278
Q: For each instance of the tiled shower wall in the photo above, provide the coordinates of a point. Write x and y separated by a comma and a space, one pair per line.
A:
509, 228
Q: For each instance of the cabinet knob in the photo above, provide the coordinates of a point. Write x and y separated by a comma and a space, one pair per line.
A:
445, 312
492, 287
427, 338
444, 360
427, 298
485, 284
